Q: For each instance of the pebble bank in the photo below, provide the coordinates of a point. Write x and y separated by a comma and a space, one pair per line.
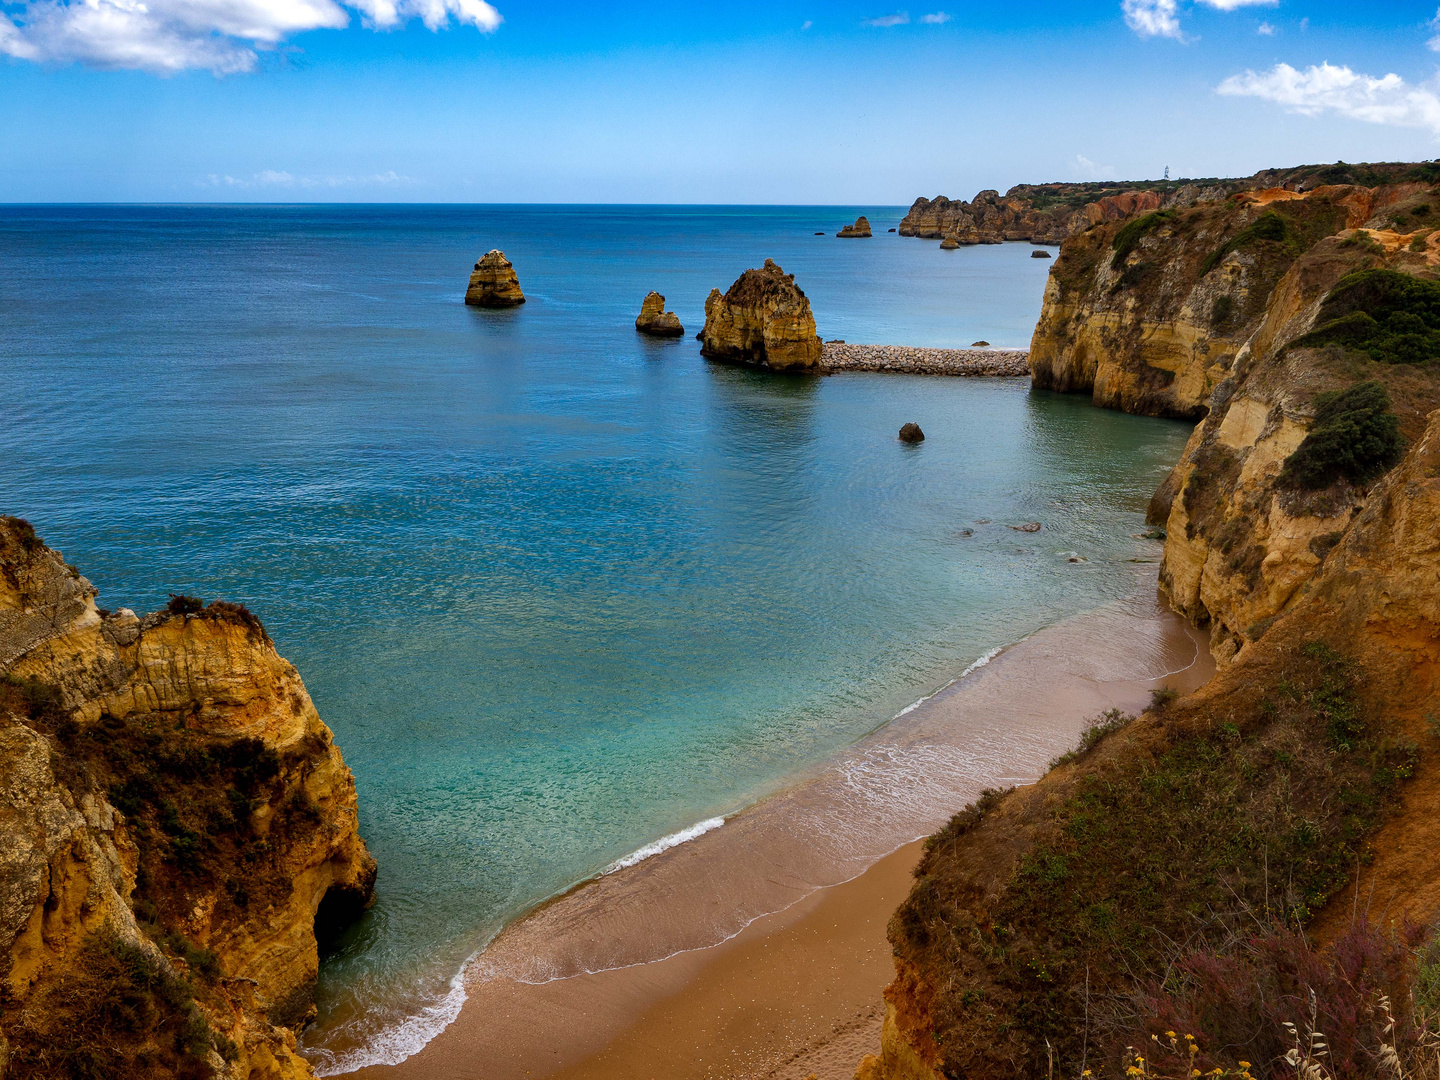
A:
840, 356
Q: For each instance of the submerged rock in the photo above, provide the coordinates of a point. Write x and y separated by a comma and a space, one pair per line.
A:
1028, 527
858, 231
655, 320
764, 320
911, 433
979, 345
493, 283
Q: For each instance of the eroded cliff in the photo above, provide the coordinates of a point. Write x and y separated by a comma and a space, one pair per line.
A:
1159, 878
176, 817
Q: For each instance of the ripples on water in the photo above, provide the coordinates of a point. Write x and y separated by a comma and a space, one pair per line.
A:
560, 591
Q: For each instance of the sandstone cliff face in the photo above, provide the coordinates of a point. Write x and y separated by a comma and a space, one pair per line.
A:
493, 283
859, 230
1148, 316
1240, 544
175, 815
763, 320
655, 320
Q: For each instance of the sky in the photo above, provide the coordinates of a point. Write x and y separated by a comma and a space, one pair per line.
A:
783, 101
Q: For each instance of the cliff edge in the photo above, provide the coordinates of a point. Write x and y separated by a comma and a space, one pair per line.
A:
176, 824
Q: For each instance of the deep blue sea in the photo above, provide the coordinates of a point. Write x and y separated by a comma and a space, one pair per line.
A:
558, 589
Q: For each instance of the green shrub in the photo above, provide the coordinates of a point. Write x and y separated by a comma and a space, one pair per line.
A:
1355, 436
1221, 311
1392, 317
1129, 236
1269, 226
184, 605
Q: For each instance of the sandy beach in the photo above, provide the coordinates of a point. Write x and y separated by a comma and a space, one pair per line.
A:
758, 949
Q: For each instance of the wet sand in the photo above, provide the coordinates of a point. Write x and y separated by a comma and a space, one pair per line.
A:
759, 949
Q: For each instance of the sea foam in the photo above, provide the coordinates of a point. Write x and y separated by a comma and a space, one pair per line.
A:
665, 843
397, 1042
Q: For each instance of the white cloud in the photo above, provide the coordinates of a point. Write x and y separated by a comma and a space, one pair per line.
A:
900, 18
1233, 5
806, 25
1265, 30
1388, 100
1152, 18
936, 18
1090, 170
222, 36
273, 178
1434, 24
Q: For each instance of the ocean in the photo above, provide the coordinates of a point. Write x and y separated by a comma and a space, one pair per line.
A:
562, 592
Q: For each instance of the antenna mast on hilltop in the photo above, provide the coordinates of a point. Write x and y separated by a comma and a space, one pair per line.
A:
1167, 172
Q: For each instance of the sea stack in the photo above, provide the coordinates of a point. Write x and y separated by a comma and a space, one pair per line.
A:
949, 244
859, 230
911, 433
763, 320
655, 320
1039, 253
493, 283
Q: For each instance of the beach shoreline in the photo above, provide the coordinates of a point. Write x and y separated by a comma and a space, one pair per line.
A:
587, 984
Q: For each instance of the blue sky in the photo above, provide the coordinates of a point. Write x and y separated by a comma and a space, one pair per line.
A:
779, 102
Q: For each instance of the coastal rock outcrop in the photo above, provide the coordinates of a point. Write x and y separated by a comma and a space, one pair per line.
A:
911, 433
764, 319
655, 320
859, 230
1150, 315
1249, 519
175, 821
493, 283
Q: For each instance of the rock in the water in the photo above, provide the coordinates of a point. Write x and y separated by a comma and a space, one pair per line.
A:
1039, 253
979, 345
763, 320
859, 230
819, 234
949, 244
494, 284
892, 230
911, 433
1029, 526
655, 320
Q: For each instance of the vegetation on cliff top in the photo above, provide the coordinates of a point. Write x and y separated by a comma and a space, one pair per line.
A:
1393, 318
1211, 821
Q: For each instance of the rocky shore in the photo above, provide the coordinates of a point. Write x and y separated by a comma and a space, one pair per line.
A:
907, 360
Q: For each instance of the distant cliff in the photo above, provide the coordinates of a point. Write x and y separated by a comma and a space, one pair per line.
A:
176, 823
1051, 213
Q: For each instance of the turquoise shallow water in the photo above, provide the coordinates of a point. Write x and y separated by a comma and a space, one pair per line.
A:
559, 590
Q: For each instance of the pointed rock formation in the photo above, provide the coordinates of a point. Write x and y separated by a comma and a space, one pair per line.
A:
655, 320
911, 433
763, 320
859, 230
494, 284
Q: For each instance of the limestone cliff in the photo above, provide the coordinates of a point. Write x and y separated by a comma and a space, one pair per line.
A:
493, 283
859, 230
764, 320
176, 818
1243, 535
